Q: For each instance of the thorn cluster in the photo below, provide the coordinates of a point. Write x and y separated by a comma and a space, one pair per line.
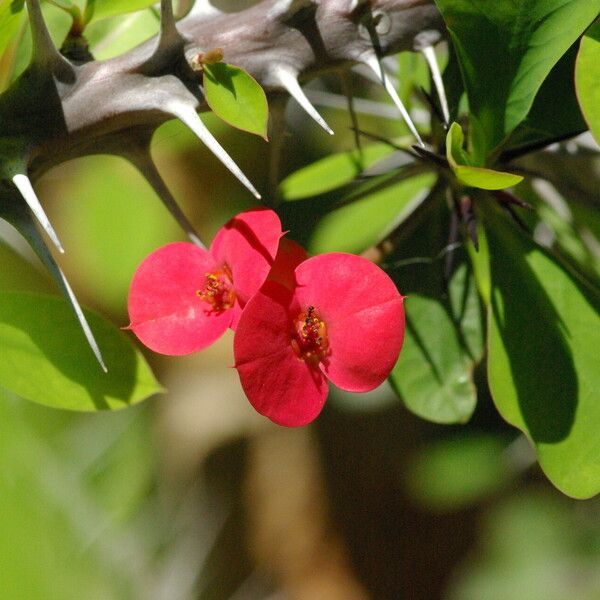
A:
58, 110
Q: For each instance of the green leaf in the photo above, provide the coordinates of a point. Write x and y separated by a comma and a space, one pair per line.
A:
331, 172
236, 97
477, 177
103, 9
365, 222
587, 79
555, 114
46, 359
506, 49
543, 336
486, 179
455, 153
443, 339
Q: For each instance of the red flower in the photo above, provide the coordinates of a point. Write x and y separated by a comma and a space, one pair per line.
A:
343, 321
183, 298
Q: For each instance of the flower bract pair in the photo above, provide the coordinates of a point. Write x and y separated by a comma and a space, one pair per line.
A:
298, 321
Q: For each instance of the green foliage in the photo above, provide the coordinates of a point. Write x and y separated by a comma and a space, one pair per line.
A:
455, 473
506, 49
544, 332
102, 9
588, 79
236, 97
331, 172
443, 338
367, 219
10, 19
46, 359
477, 177
533, 545
20, 275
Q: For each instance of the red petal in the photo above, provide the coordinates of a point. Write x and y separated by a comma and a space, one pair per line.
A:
289, 255
248, 244
277, 383
364, 315
165, 311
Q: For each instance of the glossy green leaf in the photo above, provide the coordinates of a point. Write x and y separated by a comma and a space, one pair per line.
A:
365, 222
46, 359
587, 79
477, 177
555, 114
486, 179
443, 339
543, 336
331, 172
236, 97
102, 9
506, 49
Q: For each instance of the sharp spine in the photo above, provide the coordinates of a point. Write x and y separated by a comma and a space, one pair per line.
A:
438, 82
44, 50
83, 321
169, 34
27, 192
148, 169
190, 118
373, 63
288, 79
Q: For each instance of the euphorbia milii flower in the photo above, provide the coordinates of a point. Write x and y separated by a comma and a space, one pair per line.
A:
342, 321
183, 298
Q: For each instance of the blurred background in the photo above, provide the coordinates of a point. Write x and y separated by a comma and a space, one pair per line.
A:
192, 495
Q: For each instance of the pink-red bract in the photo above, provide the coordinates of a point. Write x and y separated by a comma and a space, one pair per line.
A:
183, 298
342, 321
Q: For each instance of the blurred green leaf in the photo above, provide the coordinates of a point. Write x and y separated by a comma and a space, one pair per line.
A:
477, 177
331, 172
534, 546
366, 221
506, 49
454, 473
587, 79
101, 9
236, 97
20, 275
543, 337
46, 359
48, 540
443, 339
10, 18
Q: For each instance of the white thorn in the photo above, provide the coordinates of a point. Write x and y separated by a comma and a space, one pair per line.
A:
147, 168
430, 57
189, 117
83, 321
372, 62
24, 186
287, 78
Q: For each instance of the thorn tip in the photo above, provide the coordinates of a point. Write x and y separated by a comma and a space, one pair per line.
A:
288, 79
373, 63
189, 117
